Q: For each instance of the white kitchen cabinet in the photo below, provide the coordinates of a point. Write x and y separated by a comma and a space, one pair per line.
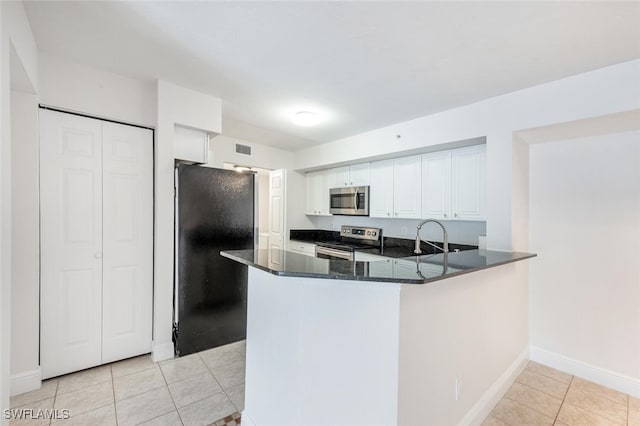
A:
368, 257
317, 202
454, 184
356, 175
191, 145
468, 183
436, 185
381, 189
308, 249
407, 187
359, 175
338, 177
381, 268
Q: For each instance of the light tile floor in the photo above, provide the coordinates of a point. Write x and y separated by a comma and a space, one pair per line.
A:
200, 389
544, 396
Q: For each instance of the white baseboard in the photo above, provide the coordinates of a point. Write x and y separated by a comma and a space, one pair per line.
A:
490, 398
586, 371
25, 382
161, 351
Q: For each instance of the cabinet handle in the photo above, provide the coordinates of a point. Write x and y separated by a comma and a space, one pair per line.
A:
388, 214
396, 213
445, 215
351, 183
455, 215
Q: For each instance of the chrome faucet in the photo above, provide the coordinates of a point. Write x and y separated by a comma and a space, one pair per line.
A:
445, 246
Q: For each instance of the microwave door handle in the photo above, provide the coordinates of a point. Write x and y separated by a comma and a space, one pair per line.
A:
355, 200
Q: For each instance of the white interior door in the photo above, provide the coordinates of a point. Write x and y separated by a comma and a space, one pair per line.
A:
277, 183
71, 242
127, 286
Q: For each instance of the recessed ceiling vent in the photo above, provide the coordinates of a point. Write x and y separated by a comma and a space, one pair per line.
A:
243, 149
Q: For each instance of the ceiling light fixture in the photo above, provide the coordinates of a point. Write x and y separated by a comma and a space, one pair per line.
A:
306, 118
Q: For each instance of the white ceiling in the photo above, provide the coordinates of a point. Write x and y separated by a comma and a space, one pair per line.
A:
364, 65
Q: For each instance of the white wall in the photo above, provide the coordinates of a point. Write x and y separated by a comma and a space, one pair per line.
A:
461, 232
95, 92
15, 33
604, 91
585, 227
25, 237
266, 157
472, 328
175, 105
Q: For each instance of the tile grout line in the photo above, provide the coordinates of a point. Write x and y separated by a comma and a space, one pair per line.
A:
113, 390
219, 384
563, 399
549, 377
170, 395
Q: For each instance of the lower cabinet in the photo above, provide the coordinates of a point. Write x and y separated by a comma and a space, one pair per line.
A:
303, 248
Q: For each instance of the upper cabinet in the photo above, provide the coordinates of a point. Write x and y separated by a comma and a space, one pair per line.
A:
454, 184
445, 185
191, 145
395, 187
407, 187
317, 193
359, 175
381, 189
436, 185
356, 175
469, 183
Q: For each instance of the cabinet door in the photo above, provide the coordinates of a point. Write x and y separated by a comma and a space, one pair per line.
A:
381, 190
436, 185
303, 248
338, 177
381, 268
191, 145
127, 271
407, 187
469, 183
71, 242
311, 208
317, 193
322, 193
359, 175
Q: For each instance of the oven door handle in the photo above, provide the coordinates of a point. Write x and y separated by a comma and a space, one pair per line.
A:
335, 253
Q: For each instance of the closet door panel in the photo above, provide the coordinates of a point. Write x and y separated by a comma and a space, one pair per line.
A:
127, 241
71, 242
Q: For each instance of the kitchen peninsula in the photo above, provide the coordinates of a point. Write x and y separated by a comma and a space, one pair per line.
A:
417, 340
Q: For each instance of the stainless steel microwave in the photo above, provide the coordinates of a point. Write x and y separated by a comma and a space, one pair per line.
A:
349, 201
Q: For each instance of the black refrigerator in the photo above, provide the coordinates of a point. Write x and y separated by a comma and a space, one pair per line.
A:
215, 210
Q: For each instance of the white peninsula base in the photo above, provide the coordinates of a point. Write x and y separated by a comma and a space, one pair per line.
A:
338, 352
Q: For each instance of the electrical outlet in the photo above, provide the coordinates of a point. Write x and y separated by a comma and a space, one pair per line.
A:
403, 231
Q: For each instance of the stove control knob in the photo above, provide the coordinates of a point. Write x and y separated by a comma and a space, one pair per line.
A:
374, 233
368, 232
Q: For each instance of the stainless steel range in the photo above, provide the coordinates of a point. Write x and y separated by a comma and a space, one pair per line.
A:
351, 239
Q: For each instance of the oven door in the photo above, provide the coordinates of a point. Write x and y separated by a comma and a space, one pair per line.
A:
351, 201
331, 253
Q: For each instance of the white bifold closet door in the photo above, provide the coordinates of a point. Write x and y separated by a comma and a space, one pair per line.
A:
96, 208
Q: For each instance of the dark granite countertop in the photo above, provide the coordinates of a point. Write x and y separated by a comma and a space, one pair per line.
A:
408, 270
392, 247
